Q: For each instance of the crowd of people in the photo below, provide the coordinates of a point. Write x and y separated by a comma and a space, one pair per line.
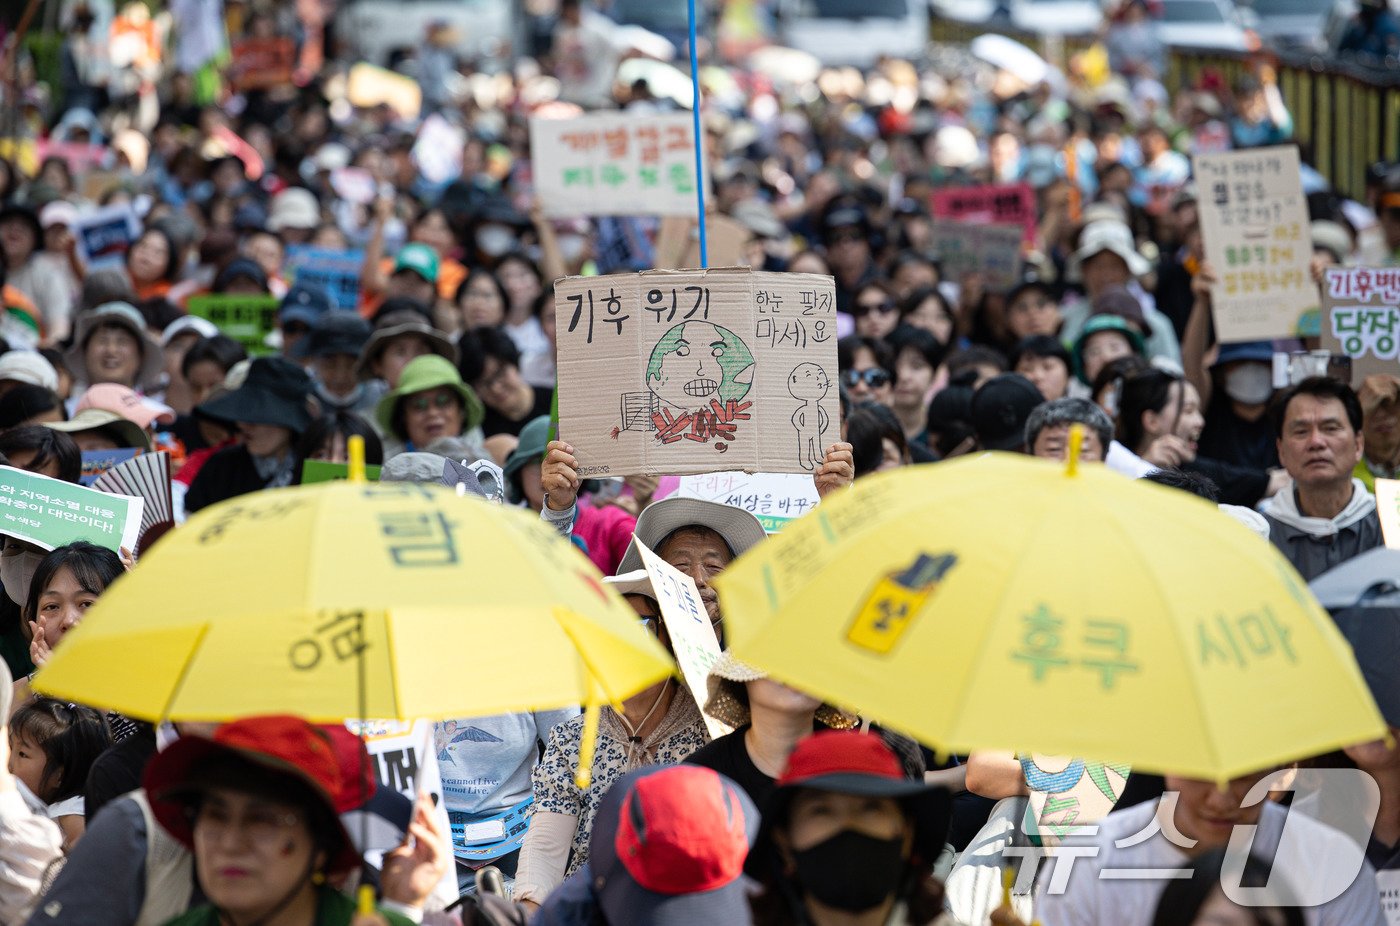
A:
805, 813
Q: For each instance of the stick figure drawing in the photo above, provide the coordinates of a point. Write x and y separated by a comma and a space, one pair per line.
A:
809, 384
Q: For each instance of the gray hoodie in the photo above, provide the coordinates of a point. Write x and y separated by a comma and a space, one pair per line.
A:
1315, 545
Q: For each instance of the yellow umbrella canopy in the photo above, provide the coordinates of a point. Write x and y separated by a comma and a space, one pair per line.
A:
1003, 602
345, 599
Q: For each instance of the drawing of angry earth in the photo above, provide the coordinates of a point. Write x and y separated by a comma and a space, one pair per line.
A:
700, 372
809, 384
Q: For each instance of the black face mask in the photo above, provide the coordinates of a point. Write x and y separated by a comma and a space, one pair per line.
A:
852, 871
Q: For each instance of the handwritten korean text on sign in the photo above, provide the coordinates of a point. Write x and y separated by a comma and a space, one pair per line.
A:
1254, 221
614, 164
695, 371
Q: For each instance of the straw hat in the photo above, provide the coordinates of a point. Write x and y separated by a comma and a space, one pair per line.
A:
728, 700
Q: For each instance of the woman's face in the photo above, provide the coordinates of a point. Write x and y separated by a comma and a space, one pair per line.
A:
1049, 374
204, 376
776, 696
890, 456
809, 262
433, 230
396, 355
431, 414
871, 382
816, 816
520, 284
337, 373
1101, 349
482, 306
17, 239
914, 379
22, 459
876, 313
62, 604
112, 355
265, 440
265, 250
148, 258
1032, 312
334, 450
1181, 417
933, 317
1103, 270
251, 853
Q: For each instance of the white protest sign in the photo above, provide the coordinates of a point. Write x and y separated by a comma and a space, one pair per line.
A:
1254, 223
404, 761
104, 235
614, 164
694, 371
773, 498
1388, 507
688, 625
1361, 319
438, 150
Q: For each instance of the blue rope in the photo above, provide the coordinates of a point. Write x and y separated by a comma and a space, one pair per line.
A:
699, 139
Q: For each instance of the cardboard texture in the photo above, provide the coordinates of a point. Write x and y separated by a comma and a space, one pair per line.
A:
774, 498
1361, 319
1254, 223
688, 624
693, 371
991, 250
614, 164
246, 319
1004, 204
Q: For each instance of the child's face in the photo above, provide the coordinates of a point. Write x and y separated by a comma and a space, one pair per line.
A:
27, 764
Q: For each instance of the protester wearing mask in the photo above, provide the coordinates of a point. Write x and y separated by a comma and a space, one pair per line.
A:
847, 840
332, 350
271, 411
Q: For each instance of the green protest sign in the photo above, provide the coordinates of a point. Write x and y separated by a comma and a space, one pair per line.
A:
313, 471
246, 319
51, 513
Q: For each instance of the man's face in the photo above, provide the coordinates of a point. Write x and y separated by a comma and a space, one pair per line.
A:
1052, 443
702, 554
1207, 814
1318, 446
408, 284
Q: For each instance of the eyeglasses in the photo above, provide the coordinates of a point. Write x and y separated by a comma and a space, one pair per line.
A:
422, 403
874, 377
863, 309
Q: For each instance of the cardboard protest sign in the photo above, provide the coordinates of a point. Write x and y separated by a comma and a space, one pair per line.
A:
1066, 794
1388, 507
246, 319
1006, 204
991, 250
693, 371
370, 86
51, 513
773, 498
688, 625
337, 271
405, 760
614, 164
1254, 225
314, 471
97, 462
261, 63
104, 235
1361, 319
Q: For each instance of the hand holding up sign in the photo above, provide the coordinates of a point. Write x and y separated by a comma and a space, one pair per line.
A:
559, 476
838, 469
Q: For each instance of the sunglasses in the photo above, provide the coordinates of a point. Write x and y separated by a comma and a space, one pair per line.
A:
422, 403
863, 309
874, 377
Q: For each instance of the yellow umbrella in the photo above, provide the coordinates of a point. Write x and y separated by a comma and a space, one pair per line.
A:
1002, 602
344, 600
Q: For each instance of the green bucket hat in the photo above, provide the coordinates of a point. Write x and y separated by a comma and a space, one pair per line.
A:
429, 372
1104, 323
419, 258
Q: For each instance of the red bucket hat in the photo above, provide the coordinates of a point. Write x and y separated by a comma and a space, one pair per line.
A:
323, 758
